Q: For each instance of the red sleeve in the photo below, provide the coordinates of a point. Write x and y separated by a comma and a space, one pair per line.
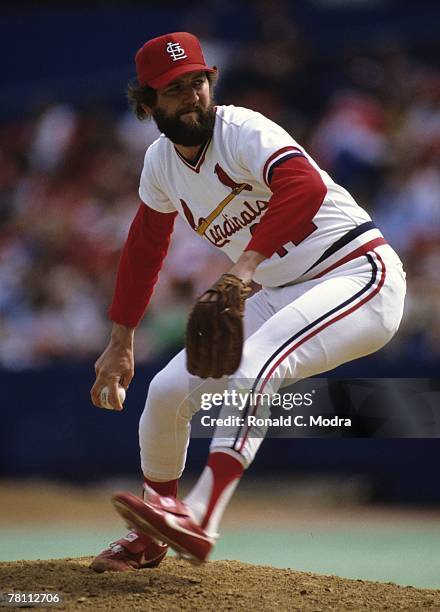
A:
142, 257
297, 194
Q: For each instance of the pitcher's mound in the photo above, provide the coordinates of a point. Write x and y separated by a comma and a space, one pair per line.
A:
216, 585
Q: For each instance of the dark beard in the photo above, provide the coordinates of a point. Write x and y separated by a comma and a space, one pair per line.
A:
188, 135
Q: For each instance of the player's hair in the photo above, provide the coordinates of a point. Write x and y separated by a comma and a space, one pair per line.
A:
137, 96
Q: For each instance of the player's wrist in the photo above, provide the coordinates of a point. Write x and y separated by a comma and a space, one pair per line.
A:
246, 265
122, 335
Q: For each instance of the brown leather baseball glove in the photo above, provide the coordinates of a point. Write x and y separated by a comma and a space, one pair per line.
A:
214, 334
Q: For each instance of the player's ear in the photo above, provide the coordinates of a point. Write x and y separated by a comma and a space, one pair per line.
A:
212, 77
147, 109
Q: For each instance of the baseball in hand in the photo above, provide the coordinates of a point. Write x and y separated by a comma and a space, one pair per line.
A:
104, 397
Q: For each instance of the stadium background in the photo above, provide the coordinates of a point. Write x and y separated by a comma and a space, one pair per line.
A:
358, 84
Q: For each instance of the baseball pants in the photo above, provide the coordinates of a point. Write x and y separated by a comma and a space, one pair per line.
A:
292, 332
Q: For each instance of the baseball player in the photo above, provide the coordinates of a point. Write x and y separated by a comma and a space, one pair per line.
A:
332, 290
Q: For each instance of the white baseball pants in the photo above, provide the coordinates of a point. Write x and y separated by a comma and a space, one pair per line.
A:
292, 332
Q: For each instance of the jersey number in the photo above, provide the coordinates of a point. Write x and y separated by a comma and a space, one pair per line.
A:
308, 230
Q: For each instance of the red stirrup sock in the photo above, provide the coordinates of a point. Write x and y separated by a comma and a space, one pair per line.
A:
212, 492
166, 488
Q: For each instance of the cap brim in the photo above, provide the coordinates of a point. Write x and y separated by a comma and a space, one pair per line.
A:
164, 79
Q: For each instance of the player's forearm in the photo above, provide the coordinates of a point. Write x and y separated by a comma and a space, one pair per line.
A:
122, 336
297, 194
140, 263
246, 265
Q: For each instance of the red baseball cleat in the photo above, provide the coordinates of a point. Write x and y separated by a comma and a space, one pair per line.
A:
135, 551
166, 519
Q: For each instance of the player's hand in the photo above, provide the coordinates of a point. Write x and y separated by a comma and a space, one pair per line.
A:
115, 367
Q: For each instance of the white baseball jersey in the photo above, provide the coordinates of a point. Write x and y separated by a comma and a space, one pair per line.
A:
244, 149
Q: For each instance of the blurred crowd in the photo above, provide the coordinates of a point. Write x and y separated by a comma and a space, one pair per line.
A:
69, 179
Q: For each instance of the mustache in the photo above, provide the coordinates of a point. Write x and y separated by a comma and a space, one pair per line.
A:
192, 109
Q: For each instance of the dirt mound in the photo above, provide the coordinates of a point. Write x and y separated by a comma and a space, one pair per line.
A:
217, 585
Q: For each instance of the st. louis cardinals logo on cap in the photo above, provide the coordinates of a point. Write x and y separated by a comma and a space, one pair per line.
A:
176, 51
165, 58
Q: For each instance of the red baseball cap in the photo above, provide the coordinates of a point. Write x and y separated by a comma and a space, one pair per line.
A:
166, 57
